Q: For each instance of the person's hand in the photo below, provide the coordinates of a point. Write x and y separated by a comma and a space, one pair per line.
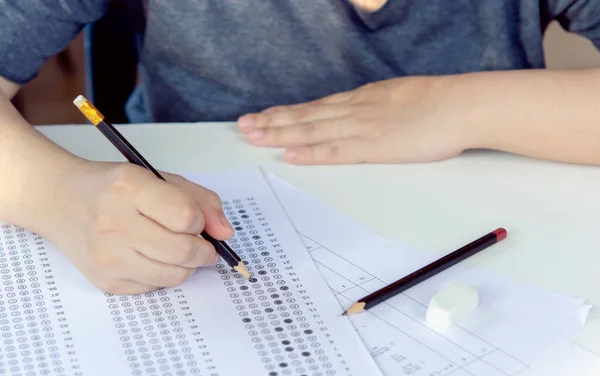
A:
369, 5
130, 232
412, 119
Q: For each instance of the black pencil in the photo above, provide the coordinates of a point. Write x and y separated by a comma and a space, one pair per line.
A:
133, 156
427, 271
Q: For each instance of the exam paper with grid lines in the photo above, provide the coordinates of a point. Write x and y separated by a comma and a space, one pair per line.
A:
518, 329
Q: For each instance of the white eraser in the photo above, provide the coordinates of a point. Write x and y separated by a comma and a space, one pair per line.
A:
79, 101
451, 304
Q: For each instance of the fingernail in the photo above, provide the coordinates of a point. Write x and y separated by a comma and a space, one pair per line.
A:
257, 134
216, 259
247, 121
225, 222
291, 154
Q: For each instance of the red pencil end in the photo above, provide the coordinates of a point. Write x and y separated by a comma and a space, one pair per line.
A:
500, 234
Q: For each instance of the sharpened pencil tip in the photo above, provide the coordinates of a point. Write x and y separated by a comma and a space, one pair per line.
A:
355, 308
241, 268
345, 313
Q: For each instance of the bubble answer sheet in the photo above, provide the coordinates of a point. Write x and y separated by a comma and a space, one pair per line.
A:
283, 321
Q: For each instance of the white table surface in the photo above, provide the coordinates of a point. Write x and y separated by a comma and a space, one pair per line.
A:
550, 210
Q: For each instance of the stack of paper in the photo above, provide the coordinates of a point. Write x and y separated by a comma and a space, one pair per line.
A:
308, 264
517, 329
283, 321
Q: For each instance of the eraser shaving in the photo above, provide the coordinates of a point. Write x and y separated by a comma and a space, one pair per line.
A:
450, 305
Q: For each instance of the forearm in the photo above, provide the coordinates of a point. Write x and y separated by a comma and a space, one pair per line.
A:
8, 88
548, 114
31, 169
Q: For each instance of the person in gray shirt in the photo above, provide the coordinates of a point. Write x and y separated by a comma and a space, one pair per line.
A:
329, 81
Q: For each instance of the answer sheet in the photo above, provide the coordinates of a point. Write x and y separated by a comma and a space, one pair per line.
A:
518, 329
284, 321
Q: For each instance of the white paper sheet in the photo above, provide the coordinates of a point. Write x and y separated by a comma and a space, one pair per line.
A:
287, 322
517, 329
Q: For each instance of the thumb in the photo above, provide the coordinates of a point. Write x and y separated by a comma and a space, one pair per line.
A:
209, 203
216, 223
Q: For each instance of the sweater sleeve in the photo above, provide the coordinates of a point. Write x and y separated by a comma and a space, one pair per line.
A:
32, 31
581, 17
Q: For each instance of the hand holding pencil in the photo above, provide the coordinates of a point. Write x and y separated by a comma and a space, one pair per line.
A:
129, 232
